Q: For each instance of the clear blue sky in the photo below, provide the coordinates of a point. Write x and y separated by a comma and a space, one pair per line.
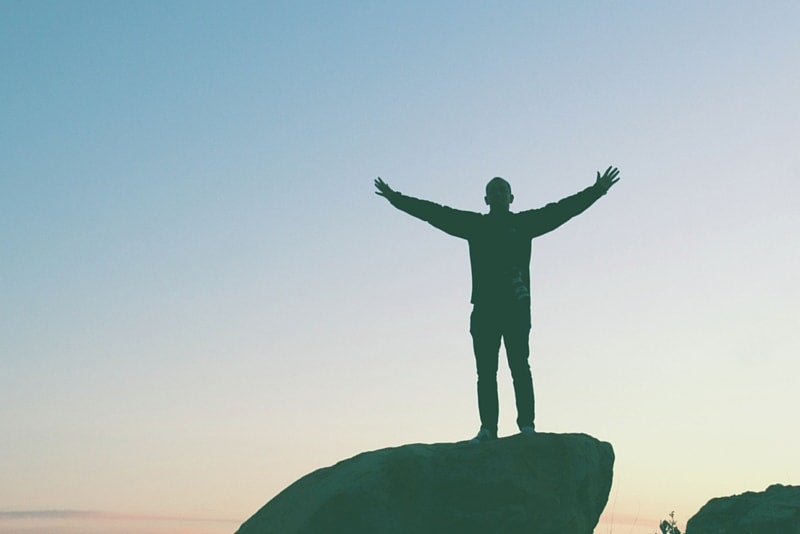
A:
203, 300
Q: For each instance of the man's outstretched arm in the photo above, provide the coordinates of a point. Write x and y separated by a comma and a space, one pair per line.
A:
543, 220
454, 222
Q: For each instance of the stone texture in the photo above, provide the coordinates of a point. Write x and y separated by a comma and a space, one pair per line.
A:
546, 483
774, 511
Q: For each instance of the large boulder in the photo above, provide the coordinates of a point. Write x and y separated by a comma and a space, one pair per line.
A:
774, 511
545, 483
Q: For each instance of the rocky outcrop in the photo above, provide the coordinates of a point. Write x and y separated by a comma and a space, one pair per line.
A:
774, 511
545, 483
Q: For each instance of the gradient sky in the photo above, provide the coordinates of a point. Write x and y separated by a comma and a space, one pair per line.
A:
203, 300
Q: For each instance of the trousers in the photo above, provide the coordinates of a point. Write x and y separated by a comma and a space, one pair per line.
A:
511, 323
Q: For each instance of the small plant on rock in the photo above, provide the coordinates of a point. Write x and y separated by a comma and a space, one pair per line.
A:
669, 527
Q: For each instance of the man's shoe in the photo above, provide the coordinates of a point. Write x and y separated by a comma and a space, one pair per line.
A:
484, 435
527, 431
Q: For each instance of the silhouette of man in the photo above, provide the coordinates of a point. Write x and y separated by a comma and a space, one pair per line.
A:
500, 255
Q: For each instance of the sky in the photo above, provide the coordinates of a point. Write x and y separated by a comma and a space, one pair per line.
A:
203, 300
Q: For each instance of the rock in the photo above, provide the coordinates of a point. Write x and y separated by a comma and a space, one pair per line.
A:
545, 483
774, 511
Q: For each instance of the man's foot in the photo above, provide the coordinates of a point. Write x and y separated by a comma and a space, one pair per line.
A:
484, 434
527, 431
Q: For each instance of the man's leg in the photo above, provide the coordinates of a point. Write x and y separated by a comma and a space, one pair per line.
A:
486, 345
516, 339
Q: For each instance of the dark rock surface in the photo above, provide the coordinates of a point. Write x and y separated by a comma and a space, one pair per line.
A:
774, 511
546, 483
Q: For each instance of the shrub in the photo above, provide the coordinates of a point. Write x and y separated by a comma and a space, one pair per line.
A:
669, 527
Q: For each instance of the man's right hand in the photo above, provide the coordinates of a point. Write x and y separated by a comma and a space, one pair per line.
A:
608, 179
384, 190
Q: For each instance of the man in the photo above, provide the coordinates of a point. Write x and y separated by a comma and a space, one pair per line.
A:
500, 256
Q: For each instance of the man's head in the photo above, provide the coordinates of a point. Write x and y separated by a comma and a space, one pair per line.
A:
498, 195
